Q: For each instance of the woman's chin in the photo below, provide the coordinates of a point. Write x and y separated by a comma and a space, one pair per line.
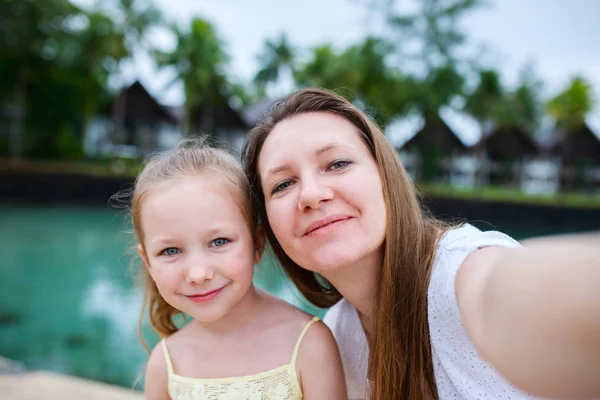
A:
324, 263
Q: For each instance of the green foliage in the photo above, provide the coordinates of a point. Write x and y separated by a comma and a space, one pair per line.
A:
434, 27
439, 88
361, 74
68, 145
200, 61
483, 102
491, 102
570, 107
275, 56
55, 63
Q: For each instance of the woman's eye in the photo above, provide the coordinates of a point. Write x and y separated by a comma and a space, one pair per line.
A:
282, 186
338, 164
171, 251
219, 242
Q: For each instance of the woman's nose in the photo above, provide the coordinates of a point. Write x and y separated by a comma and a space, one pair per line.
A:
313, 192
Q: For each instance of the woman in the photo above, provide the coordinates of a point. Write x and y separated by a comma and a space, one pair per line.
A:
429, 310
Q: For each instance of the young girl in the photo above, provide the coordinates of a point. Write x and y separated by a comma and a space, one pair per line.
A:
198, 240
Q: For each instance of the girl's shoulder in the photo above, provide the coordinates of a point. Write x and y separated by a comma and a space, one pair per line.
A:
278, 314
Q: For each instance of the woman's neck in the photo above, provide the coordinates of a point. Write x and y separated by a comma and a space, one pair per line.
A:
357, 283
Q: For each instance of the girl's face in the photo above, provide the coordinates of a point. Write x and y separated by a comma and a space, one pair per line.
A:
197, 245
323, 193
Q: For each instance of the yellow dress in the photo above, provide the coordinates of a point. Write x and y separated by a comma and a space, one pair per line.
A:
275, 384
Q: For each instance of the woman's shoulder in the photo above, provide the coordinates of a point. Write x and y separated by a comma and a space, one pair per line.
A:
342, 319
453, 249
468, 238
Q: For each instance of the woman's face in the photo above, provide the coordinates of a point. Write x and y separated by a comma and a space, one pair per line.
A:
323, 193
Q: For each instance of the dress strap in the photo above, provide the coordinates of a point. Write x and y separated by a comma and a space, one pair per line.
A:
163, 343
308, 324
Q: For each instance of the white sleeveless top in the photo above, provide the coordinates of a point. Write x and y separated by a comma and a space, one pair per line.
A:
460, 373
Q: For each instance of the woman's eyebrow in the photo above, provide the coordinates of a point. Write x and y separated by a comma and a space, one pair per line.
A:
277, 169
323, 149
327, 147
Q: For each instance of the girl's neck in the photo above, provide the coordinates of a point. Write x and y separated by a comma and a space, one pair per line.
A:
357, 283
237, 318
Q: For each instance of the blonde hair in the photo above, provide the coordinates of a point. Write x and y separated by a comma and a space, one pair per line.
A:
190, 158
400, 358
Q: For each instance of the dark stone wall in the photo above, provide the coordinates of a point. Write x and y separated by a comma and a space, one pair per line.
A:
518, 219
63, 188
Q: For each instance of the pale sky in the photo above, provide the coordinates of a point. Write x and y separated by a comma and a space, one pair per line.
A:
560, 37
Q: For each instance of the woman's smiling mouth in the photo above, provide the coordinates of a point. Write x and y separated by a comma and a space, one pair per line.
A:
326, 225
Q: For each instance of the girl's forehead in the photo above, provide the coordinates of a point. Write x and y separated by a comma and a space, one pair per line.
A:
190, 200
193, 187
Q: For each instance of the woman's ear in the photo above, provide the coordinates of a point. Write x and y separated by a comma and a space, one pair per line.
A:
259, 243
143, 256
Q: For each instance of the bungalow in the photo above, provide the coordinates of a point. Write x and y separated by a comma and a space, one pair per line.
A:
225, 124
579, 152
133, 124
505, 150
427, 145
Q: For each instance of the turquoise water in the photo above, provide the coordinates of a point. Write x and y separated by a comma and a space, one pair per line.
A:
68, 302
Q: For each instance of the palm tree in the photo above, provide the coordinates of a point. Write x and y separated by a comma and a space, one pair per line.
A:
570, 107
100, 47
490, 103
483, 102
322, 69
137, 17
200, 62
435, 26
277, 55
27, 29
360, 73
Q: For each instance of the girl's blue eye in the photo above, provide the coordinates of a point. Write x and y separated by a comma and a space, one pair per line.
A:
339, 164
219, 242
171, 251
281, 186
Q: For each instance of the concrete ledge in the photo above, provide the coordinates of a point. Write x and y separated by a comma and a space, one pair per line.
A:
52, 386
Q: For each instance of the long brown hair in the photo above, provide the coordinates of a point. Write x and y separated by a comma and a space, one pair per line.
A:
192, 157
400, 360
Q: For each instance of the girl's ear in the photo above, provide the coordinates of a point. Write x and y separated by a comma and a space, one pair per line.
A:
144, 256
259, 243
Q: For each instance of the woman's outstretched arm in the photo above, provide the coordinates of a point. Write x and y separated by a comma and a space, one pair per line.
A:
534, 313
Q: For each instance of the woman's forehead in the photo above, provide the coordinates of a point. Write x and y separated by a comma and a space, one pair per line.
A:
306, 135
